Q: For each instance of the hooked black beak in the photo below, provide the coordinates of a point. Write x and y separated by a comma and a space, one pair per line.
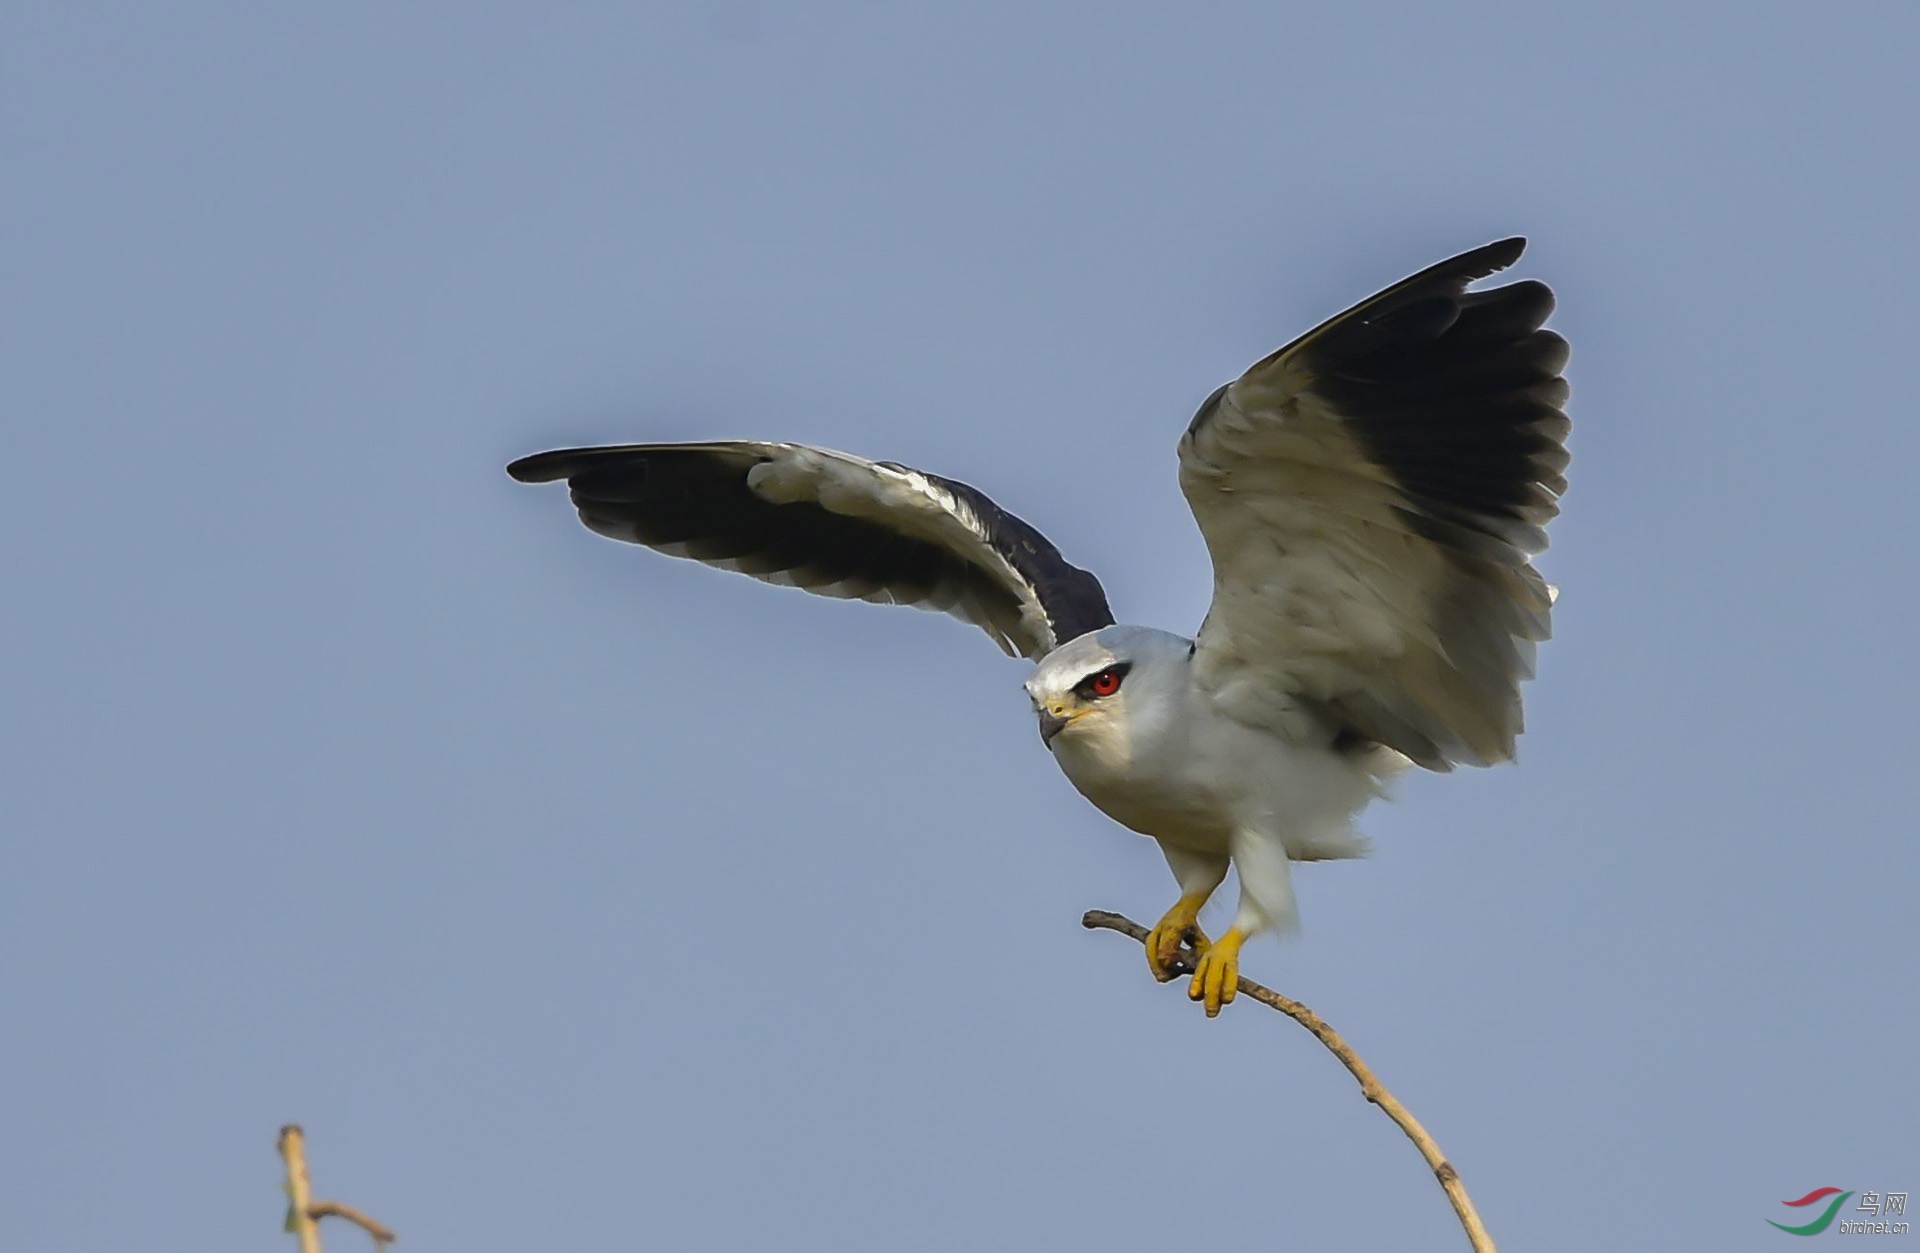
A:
1050, 726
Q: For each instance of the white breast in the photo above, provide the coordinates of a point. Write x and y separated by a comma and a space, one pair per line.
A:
1176, 769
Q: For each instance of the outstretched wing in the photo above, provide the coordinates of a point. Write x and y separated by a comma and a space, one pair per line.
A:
1371, 495
834, 525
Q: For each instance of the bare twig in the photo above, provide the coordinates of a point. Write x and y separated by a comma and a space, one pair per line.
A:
337, 1209
303, 1212
1370, 1086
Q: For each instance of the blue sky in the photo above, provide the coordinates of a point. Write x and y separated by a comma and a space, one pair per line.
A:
573, 896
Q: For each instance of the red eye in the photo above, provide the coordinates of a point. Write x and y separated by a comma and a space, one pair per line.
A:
1106, 683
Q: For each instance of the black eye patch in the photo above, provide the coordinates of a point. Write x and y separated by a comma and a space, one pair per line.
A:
1103, 682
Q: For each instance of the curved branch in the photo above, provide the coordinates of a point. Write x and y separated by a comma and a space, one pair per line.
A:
381, 1233
1370, 1086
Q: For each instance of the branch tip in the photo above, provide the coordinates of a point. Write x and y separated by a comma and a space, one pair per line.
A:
1370, 1086
381, 1233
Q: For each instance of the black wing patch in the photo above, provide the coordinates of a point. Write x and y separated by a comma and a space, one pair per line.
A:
1074, 601
1458, 395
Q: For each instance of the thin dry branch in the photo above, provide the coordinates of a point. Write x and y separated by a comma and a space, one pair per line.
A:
381, 1233
304, 1213
1370, 1086
293, 1148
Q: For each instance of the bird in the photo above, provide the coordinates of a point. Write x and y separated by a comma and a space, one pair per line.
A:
1371, 495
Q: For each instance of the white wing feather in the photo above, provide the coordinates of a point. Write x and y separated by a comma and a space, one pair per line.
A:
1364, 584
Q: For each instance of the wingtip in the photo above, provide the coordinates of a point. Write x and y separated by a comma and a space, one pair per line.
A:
538, 468
1494, 257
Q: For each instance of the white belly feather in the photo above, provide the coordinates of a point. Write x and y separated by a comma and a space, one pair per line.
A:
1193, 778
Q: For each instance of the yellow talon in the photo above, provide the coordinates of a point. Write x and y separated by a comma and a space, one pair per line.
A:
1180, 925
1216, 980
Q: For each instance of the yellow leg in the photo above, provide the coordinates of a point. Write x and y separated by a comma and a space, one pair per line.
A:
1216, 980
1180, 924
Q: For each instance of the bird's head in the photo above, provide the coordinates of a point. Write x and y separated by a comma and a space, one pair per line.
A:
1092, 688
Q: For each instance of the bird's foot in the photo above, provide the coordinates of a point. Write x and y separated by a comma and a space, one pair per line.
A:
1216, 979
1180, 926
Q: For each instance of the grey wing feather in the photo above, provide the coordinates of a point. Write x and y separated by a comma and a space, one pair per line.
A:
835, 525
1371, 495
